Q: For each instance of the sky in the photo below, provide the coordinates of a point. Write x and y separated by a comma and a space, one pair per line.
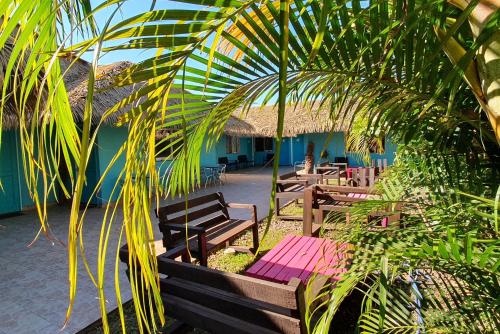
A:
128, 9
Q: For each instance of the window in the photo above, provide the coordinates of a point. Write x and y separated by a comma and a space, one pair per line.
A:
232, 144
166, 147
263, 144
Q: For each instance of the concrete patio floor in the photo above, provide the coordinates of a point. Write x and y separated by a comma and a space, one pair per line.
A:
34, 282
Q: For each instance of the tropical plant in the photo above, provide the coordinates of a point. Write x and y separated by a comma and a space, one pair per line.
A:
418, 71
440, 272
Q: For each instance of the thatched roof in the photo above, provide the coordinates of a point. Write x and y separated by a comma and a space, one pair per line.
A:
12, 101
258, 121
299, 119
105, 96
76, 82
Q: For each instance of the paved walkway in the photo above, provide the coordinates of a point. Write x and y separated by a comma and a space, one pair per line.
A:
33, 281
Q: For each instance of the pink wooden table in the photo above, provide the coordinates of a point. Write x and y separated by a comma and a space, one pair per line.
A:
300, 257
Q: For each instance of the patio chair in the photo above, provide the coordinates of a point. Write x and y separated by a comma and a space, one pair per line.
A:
221, 174
299, 165
207, 175
341, 160
243, 161
229, 164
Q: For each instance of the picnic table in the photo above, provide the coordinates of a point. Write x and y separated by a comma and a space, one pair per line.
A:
301, 257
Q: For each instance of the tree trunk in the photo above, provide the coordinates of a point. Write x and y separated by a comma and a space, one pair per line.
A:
309, 158
483, 74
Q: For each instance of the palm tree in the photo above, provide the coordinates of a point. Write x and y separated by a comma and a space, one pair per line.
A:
412, 70
309, 165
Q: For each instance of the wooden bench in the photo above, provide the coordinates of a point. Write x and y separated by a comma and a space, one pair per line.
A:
329, 172
221, 302
209, 226
319, 199
290, 187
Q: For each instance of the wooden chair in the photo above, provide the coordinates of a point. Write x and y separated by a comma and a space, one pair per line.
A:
209, 226
362, 177
381, 164
221, 302
290, 187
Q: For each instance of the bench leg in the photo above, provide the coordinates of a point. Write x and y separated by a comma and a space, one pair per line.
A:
185, 257
178, 327
202, 249
277, 206
255, 235
319, 216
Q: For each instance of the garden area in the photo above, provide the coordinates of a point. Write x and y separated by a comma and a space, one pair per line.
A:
270, 166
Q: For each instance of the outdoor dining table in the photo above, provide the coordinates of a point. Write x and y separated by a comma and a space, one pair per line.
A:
301, 257
214, 171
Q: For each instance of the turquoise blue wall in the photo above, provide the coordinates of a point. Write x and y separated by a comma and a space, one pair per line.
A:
206, 158
10, 199
109, 141
220, 150
15, 195
286, 152
298, 148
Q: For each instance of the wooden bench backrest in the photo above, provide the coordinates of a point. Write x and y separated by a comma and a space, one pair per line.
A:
291, 186
212, 206
364, 176
271, 307
288, 176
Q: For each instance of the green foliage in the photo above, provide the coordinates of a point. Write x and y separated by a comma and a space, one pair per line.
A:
437, 270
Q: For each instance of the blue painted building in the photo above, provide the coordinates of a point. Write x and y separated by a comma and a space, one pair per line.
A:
251, 134
301, 127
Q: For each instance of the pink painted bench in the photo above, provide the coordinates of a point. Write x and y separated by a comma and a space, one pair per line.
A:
301, 257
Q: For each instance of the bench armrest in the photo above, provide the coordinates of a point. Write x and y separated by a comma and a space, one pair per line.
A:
251, 207
294, 181
327, 168
309, 176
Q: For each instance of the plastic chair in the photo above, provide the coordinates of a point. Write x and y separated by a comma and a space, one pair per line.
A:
221, 174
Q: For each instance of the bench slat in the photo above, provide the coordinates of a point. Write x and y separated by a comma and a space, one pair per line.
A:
181, 206
255, 312
194, 215
208, 319
219, 234
278, 294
